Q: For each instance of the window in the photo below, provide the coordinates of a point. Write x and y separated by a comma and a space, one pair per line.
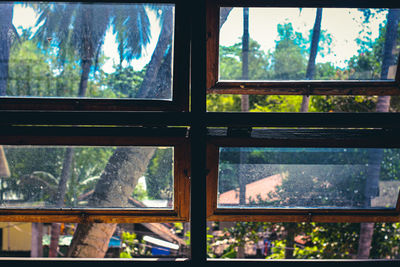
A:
196, 143
303, 175
83, 56
100, 167
246, 151
289, 50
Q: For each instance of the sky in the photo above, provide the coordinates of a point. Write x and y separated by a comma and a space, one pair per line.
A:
26, 17
343, 24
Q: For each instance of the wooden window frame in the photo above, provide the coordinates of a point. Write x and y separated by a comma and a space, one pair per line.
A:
100, 136
197, 119
179, 86
312, 87
348, 138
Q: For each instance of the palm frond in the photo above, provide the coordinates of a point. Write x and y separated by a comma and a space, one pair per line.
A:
136, 31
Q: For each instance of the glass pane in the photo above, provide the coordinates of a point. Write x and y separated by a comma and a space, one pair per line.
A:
139, 240
348, 178
308, 44
87, 50
87, 177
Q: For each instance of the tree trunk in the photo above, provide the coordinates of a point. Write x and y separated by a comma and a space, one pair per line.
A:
310, 74
36, 240
163, 80
376, 155
290, 234
59, 199
88, 49
6, 11
91, 240
240, 252
245, 108
85, 65
158, 55
115, 185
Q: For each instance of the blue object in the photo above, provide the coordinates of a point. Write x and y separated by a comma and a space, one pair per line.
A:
160, 251
114, 242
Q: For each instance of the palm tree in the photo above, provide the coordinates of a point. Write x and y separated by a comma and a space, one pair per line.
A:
115, 185
159, 55
376, 155
91, 240
310, 73
80, 29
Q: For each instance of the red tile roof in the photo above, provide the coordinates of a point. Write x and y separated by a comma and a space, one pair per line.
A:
254, 190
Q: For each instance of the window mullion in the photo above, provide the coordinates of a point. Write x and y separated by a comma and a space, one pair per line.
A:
198, 131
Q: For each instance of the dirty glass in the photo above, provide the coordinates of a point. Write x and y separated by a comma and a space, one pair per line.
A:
282, 44
343, 178
83, 50
87, 177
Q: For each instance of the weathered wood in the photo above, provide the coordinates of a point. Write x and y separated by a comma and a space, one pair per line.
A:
181, 57
310, 119
304, 218
182, 176
159, 119
308, 138
210, 119
212, 178
308, 3
212, 44
87, 104
305, 88
96, 136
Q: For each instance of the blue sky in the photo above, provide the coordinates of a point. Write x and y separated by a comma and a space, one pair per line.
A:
344, 25
26, 17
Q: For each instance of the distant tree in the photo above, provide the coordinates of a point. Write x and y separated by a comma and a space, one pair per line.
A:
125, 82
288, 61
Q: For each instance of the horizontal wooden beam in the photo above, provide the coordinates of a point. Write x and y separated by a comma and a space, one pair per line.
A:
89, 216
156, 118
210, 119
306, 88
377, 138
310, 119
331, 218
309, 3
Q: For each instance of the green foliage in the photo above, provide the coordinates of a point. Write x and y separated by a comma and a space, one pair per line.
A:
132, 246
159, 176
288, 62
89, 163
125, 82
223, 102
29, 74
140, 193
231, 63
35, 172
